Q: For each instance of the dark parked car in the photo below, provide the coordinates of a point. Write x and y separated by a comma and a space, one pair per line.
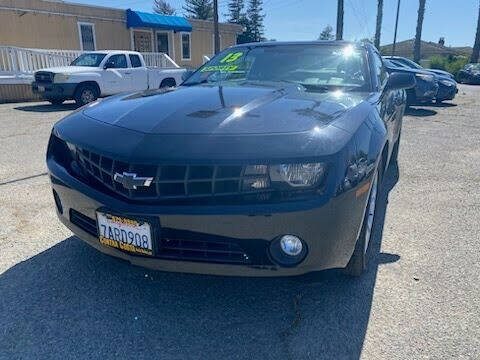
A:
413, 65
470, 74
426, 87
267, 161
447, 86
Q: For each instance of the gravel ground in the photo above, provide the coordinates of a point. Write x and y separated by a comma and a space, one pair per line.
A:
419, 299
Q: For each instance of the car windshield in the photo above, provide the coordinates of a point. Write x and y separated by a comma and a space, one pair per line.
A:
409, 63
472, 67
92, 59
314, 66
398, 64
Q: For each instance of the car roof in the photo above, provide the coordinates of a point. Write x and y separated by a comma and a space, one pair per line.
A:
286, 43
108, 52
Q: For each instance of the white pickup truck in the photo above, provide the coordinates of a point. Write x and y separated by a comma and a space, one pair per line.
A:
102, 73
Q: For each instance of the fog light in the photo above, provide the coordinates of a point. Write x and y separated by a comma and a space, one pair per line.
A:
291, 245
288, 250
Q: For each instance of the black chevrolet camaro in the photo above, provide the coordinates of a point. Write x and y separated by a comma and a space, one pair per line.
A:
266, 161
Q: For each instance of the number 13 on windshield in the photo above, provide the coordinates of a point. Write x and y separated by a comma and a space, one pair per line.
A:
231, 57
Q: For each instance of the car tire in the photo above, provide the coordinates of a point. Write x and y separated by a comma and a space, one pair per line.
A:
56, 101
168, 83
85, 94
358, 262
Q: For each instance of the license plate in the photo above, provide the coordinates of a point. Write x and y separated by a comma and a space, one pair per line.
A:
41, 88
134, 236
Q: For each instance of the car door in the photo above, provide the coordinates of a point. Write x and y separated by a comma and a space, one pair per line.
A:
389, 101
117, 74
139, 76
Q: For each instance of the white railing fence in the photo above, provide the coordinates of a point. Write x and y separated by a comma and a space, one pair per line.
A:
26, 61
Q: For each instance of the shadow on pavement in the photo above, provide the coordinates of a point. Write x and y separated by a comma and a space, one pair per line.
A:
71, 301
443, 105
421, 112
47, 107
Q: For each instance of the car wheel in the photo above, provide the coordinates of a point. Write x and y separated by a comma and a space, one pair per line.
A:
56, 101
358, 262
167, 83
85, 94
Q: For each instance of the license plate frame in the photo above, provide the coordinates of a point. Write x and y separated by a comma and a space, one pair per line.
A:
127, 223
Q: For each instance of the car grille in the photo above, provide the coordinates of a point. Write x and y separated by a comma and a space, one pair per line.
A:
44, 77
181, 245
176, 181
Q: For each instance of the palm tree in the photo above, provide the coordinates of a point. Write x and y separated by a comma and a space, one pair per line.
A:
379, 23
418, 35
339, 20
476, 47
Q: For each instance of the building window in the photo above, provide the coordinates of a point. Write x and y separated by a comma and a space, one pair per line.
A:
86, 33
186, 46
143, 41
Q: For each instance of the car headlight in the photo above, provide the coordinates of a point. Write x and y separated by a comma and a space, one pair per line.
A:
425, 77
446, 83
298, 175
61, 78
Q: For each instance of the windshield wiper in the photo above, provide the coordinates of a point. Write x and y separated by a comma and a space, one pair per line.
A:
316, 87
195, 83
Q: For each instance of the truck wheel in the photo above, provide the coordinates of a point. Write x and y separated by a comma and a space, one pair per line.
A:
85, 94
56, 101
358, 262
168, 83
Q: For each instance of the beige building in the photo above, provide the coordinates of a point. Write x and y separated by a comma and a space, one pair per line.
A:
53, 24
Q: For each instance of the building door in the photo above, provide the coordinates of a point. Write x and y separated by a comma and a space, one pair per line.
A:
162, 43
142, 41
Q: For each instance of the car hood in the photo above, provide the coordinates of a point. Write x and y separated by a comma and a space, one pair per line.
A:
227, 110
69, 69
441, 73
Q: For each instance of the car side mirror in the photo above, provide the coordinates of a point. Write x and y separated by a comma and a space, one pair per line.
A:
400, 81
108, 65
187, 74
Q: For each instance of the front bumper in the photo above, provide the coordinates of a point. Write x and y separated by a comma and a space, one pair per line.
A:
54, 90
425, 91
446, 92
329, 228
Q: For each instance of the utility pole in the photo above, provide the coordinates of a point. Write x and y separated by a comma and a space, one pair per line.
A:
339, 20
396, 27
215, 27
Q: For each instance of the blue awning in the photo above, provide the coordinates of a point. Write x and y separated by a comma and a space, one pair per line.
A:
167, 22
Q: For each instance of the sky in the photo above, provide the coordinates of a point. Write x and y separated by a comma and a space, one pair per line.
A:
456, 20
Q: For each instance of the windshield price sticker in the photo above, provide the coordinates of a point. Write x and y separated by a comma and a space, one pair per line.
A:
225, 68
232, 57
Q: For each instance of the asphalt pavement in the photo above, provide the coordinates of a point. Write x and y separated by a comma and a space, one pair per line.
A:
59, 298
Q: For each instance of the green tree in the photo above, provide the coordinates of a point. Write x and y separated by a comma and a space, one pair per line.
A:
378, 29
418, 36
163, 7
327, 33
255, 16
476, 47
235, 11
199, 9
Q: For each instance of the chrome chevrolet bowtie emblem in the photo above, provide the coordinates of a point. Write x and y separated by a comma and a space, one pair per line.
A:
132, 181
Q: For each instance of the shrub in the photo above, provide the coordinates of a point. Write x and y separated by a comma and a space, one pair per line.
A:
452, 64
438, 62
